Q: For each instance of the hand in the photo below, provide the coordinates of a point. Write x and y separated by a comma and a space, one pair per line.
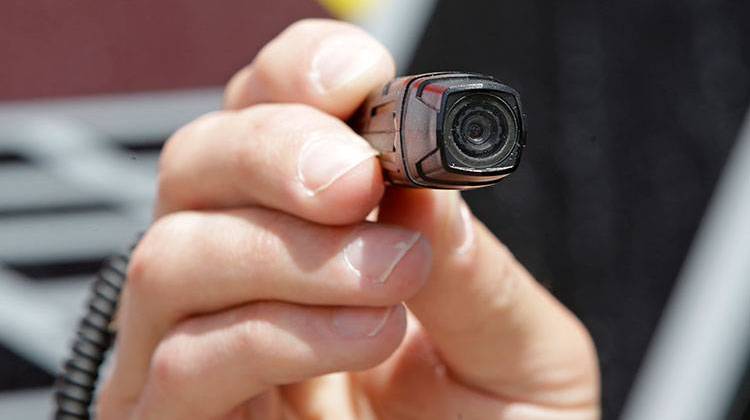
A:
260, 277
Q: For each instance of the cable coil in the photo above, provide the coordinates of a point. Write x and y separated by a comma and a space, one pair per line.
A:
76, 385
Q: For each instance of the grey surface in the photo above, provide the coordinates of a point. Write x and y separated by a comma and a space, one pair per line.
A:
77, 195
26, 404
126, 117
36, 318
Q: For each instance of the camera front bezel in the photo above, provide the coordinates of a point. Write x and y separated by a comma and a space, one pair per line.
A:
483, 104
453, 159
419, 152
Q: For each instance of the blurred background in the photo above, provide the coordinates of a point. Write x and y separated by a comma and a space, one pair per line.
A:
631, 206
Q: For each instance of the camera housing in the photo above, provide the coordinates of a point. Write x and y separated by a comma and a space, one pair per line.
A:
446, 130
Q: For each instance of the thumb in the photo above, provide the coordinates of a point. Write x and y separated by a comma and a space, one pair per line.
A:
494, 326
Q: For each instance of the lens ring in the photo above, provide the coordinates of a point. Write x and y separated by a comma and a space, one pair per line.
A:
478, 132
480, 129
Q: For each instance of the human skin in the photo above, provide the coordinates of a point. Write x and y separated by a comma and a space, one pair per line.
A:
264, 291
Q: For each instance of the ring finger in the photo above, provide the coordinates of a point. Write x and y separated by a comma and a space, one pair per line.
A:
209, 365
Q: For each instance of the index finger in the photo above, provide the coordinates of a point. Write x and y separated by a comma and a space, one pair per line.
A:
259, 155
327, 64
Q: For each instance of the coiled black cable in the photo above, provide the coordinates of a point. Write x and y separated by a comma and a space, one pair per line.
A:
76, 385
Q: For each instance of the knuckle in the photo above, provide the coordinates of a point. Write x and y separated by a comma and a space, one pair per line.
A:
146, 271
255, 335
174, 146
178, 149
278, 118
267, 123
170, 368
141, 264
249, 335
263, 332
244, 154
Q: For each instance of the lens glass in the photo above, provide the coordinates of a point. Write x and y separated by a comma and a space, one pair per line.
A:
480, 125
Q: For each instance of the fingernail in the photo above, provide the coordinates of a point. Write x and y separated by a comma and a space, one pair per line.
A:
360, 322
464, 228
323, 160
375, 251
341, 59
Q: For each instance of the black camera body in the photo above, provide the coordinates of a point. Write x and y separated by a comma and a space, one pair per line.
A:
444, 130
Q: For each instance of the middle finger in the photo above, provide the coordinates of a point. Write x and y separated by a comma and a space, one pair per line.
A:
194, 263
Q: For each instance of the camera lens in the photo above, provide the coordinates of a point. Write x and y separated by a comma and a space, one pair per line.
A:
479, 129
479, 126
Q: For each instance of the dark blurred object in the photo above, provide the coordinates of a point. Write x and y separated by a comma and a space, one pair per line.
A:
60, 48
741, 408
19, 373
633, 108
